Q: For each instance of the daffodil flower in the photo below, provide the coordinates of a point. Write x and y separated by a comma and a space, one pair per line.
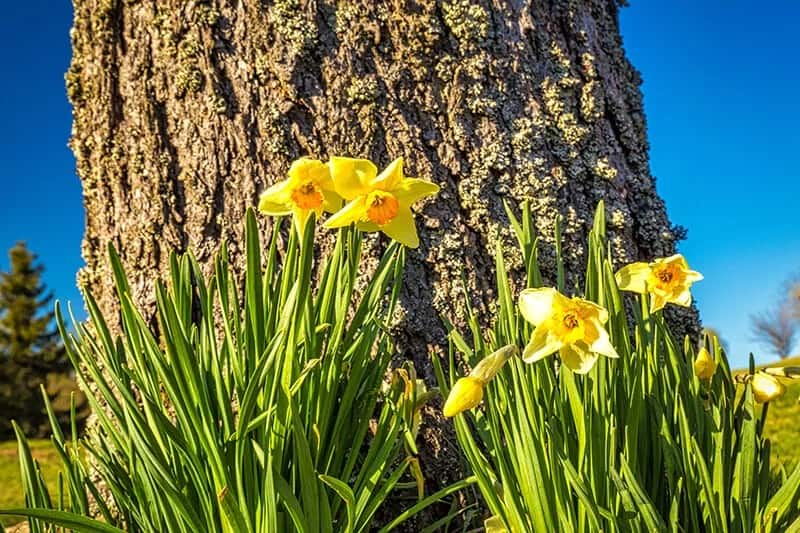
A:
766, 387
571, 326
791, 372
467, 392
667, 280
704, 364
308, 189
378, 202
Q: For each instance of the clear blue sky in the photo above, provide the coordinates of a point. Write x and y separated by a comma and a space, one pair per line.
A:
721, 81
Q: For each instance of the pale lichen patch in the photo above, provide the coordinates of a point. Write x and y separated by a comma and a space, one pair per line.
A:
468, 22
604, 169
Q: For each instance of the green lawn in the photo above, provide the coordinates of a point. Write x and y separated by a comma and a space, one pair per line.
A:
10, 485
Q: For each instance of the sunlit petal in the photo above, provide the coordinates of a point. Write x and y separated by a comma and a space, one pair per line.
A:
536, 305
275, 200
411, 190
657, 302
684, 298
352, 177
352, 212
402, 228
692, 276
633, 277
390, 178
603, 344
332, 201
577, 359
542, 344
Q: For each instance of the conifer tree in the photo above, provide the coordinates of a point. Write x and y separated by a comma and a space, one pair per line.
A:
30, 348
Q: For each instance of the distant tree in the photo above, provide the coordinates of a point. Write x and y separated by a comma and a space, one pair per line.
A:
793, 296
31, 353
776, 329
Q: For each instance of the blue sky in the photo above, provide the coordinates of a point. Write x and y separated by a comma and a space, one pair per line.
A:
720, 85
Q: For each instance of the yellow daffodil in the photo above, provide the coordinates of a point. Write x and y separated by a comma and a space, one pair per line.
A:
467, 393
378, 202
704, 364
766, 388
667, 280
571, 326
791, 372
309, 188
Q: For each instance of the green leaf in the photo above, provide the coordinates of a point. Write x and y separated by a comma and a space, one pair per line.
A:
71, 521
346, 493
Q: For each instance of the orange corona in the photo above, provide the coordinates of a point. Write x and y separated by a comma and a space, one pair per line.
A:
382, 207
307, 196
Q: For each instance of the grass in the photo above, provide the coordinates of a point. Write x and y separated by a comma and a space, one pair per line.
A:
783, 420
10, 486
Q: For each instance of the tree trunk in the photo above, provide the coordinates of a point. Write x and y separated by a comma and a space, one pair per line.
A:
184, 111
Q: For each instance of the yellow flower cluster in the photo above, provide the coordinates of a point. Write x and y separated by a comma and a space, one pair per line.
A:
372, 201
575, 328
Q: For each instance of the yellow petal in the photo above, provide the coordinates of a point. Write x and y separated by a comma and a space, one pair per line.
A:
704, 364
465, 394
332, 202
411, 190
766, 388
603, 344
591, 310
367, 227
390, 178
352, 177
633, 277
692, 276
536, 305
305, 169
577, 359
542, 344
275, 200
684, 298
352, 212
402, 228
657, 302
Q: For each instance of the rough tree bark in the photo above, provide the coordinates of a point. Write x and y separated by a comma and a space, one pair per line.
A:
185, 110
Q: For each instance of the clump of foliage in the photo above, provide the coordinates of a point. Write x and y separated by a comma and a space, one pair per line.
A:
258, 408
658, 436
31, 354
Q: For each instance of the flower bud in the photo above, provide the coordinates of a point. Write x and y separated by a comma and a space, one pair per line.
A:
766, 388
491, 364
465, 394
704, 364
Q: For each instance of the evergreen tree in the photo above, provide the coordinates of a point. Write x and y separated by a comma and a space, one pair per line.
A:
30, 349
